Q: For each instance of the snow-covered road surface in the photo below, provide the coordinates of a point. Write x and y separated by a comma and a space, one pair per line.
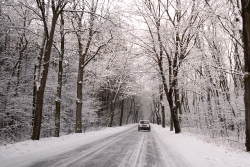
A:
121, 147
128, 148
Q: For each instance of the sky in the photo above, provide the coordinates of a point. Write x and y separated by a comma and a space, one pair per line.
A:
195, 150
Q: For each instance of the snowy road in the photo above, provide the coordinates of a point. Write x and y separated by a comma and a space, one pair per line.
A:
123, 146
128, 148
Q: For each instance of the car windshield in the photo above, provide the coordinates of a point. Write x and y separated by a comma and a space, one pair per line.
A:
144, 122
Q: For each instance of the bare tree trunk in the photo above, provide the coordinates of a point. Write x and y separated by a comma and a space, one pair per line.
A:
85, 55
113, 99
135, 113
78, 127
59, 87
246, 39
162, 107
56, 10
131, 109
174, 114
82, 56
171, 124
121, 116
209, 108
158, 49
40, 90
112, 110
156, 112
169, 94
37, 73
153, 114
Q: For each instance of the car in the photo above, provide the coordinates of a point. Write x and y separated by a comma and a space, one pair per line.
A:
144, 125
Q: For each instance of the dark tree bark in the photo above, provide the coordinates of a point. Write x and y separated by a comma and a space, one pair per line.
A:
57, 8
121, 116
131, 109
156, 112
59, 85
37, 72
112, 110
246, 40
21, 48
113, 98
169, 94
158, 49
171, 124
82, 56
85, 52
162, 107
135, 114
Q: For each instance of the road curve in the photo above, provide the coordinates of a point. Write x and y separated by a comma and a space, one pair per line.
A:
129, 148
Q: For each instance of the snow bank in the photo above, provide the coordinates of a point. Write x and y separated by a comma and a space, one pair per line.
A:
21, 154
200, 153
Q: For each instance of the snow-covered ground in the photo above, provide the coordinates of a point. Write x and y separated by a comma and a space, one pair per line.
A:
201, 153
195, 151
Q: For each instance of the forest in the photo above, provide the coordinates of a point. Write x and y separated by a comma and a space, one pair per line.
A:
70, 66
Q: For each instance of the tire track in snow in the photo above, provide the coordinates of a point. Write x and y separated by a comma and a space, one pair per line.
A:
129, 148
83, 152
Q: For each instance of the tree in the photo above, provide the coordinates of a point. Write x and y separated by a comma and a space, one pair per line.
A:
88, 47
44, 59
157, 50
114, 96
121, 115
118, 80
60, 75
217, 102
16, 51
171, 37
246, 39
162, 107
